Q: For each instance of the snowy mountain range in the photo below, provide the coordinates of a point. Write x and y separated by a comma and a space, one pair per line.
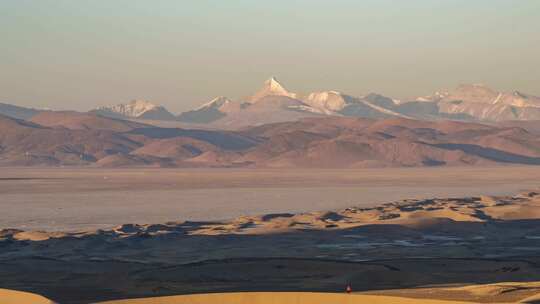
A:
273, 103
139, 109
466, 102
480, 102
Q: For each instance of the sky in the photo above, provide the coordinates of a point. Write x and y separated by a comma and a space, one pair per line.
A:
65, 54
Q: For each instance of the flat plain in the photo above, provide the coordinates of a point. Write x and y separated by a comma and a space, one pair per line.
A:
482, 249
74, 199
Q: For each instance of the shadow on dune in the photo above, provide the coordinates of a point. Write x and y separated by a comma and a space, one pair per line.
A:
112, 265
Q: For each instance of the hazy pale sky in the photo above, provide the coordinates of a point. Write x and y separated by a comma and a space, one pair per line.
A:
66, 54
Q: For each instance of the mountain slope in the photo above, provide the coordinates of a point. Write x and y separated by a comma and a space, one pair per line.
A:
209, 112
346, 142
84, 121
268, 109
273, 103
16, 111
479, 102
26, 143
336, 103
331, 141
271, 87
136, 109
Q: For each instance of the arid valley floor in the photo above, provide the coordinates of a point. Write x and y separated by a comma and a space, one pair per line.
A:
269, 152
78, 199
437, 232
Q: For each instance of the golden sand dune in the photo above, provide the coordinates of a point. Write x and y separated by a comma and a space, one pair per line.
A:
506, 292
280, 298
408, 213
532, 300
396, 251
19, 297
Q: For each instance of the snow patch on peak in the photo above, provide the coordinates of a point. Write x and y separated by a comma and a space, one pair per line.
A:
441, 94
327, 101
272, 87
498, 98
323, 95
433, 98
134, 109
215, 103
274, 84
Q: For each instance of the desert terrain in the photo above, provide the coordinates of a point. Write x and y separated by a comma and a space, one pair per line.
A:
389, 249
18, 297
303, 203
269, 152
512, 292
509, 292
78, 199
322, 298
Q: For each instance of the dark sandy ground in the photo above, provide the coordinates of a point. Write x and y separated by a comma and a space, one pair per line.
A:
397, 245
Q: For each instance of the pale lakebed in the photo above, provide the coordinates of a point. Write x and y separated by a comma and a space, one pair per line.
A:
72, 199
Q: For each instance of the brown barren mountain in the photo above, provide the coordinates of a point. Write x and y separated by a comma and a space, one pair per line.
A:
70, 138
26, 143
346, 142
84, 121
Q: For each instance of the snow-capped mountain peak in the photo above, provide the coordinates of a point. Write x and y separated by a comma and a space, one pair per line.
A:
215, 103
137, 109
273, 102
327, 101
272, 87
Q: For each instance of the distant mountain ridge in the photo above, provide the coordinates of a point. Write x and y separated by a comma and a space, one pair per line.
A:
273, 103
208, 112
479, 102
86, 139
17, 112
271, 87
139, 109
465, 103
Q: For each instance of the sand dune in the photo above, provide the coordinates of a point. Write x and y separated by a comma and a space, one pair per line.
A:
19, 297
280, 298
505, 292
532, 300
401, 249
412, 213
